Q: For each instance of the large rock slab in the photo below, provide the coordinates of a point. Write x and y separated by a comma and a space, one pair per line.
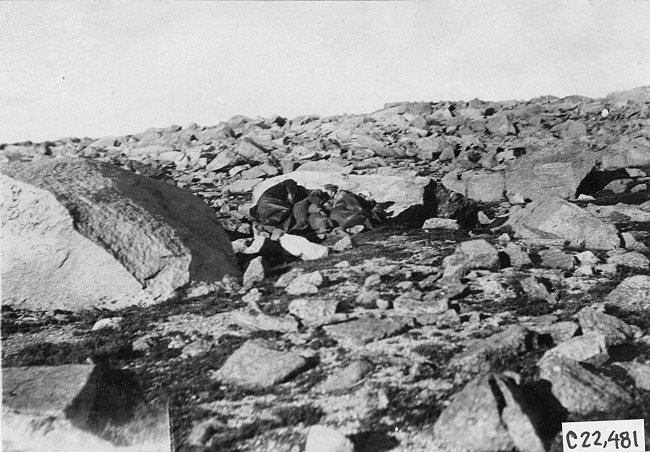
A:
73, 407
72, 228
554, 218
482, 186
549, 172
403, 192
627, 153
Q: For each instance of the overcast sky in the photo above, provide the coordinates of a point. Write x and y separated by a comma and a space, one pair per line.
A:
114, 68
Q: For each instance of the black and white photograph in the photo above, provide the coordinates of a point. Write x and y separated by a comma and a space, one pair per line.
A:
325, 226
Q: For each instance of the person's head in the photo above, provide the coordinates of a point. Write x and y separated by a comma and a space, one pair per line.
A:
331, 189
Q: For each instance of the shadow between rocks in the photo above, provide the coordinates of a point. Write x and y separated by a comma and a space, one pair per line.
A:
373, 442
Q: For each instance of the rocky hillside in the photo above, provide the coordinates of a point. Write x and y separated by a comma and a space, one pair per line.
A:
509, 290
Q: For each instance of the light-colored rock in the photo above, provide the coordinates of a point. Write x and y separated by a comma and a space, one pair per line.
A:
403, 192
483, 186
348, 376
590, 348
579, 390
258, 364
242, 186
550, 172
620, 213
632, 293
325, 439
615, 330
313, 311
263, 322
632, 259
112, 323
303, 248
556, 258
536, 290
554, 218
627, 153
492, 408
474, 254
305, 284
254, 273
518, 257
441, 223
71, 228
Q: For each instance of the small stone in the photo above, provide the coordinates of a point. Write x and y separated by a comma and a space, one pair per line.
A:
474, 254
312, 311
587, 258
441, 223
382, 304
305, 284
112, 323
325, 439
286, 278
303, 248
346, 243
347, 377
372, 281
584, 270
555, 258
518, 257
263, 322
367, 297
537, 291
639, 188
342, 264
195, 348
559, 331
254, 273
257, 364
252, 298
203, 431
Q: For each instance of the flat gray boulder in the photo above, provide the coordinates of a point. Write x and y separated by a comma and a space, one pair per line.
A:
555, 218
80, 234
556, 171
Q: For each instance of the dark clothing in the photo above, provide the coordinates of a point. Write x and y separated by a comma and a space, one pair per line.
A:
351, 210
275, 206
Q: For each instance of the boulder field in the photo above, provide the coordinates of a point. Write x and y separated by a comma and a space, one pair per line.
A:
508, 291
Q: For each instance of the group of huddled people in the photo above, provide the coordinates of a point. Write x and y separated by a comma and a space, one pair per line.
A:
296, 210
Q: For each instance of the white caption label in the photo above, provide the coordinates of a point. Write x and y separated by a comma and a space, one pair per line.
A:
626, 435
